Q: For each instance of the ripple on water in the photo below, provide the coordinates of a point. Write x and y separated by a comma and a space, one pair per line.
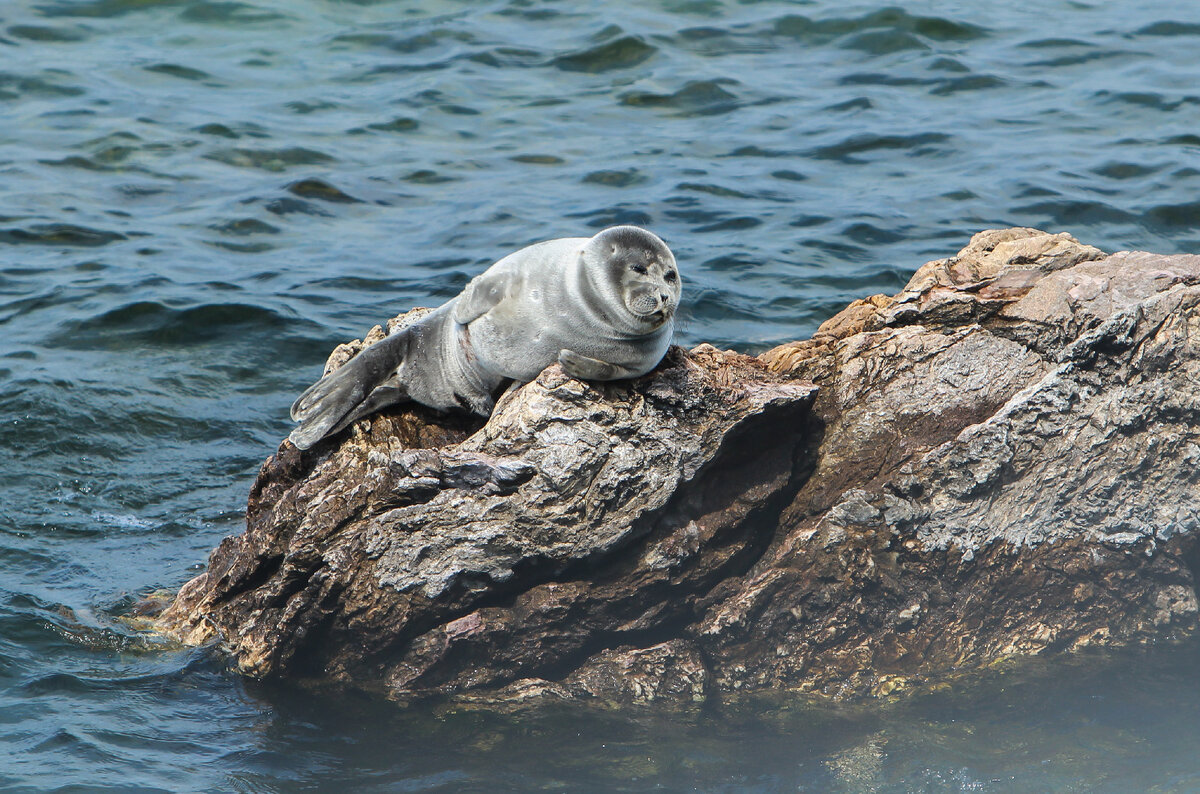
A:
884, 42
720, 191
28, 301
975, 82
623, 178
819, 31
857, 103
243, 227
1147, 99
254, 247
388, 70
100, 8
316, 106
863, 143
1125, 170
229, 12
948, 65
154, 323
538, 159
427, 176
716, 42
120, 152
839, 250
1187, 139
730, 224
696, 98
435, 37
56, 34
322, 190
509, 57
109, 160
1081, 58
721, 311
757, 151
731, 263
60, 234
621, 53
1169, 28
177, 70
270, 159
17, 86
887, 79
1070, 214
233, 132
618, 215
290, 206
1184, 216
398, 124
806, 221
870, 234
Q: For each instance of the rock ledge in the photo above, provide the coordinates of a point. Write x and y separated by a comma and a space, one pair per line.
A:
1000, 460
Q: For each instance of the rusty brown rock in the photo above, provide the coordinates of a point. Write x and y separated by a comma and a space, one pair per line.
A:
1000, 460
426, 554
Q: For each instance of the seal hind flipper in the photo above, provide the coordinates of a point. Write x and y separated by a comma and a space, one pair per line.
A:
382, 396
325, 406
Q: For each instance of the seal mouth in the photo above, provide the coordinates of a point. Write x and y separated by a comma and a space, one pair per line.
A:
650, 310
656, 318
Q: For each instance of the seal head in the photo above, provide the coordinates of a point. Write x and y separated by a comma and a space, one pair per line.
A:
633, 268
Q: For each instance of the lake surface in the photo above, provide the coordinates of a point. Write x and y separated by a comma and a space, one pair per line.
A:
200, 198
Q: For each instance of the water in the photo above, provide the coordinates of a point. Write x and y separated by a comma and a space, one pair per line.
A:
199, 198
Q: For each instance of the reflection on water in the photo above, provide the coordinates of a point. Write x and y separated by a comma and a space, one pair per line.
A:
1117, 722
199, 198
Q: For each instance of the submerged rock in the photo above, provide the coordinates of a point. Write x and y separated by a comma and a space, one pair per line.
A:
1000, 460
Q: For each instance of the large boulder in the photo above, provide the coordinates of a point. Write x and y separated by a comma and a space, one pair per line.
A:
1000, 460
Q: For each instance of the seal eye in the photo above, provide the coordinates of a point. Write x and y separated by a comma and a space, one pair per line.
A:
670, 276
639, 268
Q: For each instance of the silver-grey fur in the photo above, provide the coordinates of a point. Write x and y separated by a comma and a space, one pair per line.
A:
603, 307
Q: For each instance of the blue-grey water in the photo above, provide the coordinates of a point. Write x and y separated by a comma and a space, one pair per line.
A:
199, 198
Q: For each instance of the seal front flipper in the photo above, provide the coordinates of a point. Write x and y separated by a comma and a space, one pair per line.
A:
481, 295
351, 391
580, 366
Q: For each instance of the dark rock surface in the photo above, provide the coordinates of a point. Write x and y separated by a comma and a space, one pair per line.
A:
1000, 460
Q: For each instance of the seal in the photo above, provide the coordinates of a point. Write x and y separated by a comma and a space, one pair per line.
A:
603, 307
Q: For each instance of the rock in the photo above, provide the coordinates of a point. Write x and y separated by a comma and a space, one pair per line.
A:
428, 554
1000, 460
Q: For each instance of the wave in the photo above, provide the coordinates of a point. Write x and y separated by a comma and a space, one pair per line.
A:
621, 53
862, 143
60, 234
155, 323
696, 98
